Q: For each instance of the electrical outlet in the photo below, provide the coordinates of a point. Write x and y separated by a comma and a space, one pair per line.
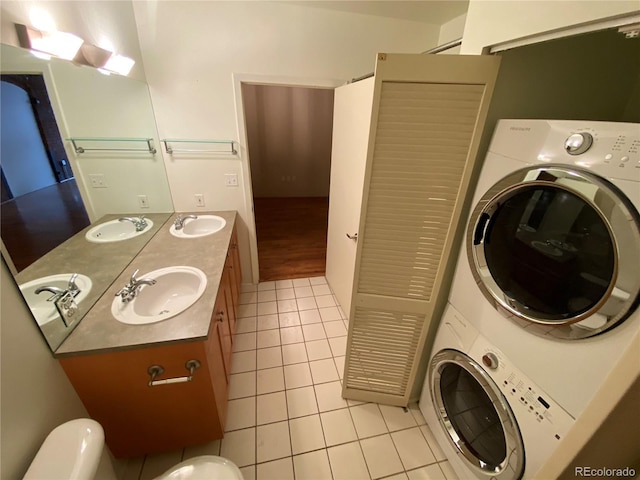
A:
199, 199
97, 180
143, 201
231, 179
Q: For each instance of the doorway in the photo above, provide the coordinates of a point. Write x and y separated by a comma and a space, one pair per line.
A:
289, 131
41, 204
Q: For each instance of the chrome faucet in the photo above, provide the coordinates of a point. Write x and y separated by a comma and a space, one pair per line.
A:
58, 293
131, 289
179, 221
139, 222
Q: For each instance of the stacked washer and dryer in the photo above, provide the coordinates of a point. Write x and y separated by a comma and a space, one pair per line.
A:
544, 300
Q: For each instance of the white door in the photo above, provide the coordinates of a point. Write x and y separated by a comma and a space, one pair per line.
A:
351, 122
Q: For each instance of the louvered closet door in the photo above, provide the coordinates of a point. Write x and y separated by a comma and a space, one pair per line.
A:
428, 115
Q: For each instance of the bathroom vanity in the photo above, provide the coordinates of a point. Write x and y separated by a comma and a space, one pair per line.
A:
161, 386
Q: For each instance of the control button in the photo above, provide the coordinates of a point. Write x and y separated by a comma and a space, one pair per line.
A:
624, 159
490, 360
578, 143
608, 156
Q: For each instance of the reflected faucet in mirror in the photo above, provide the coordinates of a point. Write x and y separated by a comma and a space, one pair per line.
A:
63, 298
140, 223
131, 289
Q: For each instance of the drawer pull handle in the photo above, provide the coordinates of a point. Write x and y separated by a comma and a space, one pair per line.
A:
155, 371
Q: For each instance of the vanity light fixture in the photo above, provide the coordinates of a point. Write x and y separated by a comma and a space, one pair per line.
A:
56, 44
119, 64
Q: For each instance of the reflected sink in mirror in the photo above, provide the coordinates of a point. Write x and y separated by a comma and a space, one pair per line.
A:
117, 230
200, 226
43, 310
175, 290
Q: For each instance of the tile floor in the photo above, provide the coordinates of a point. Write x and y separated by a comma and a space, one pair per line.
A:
286, 417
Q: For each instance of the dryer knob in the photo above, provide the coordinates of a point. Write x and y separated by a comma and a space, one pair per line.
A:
578, 143
490, 360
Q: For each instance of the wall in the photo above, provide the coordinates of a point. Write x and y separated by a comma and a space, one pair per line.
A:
193, 50
452, 30
36, 395
490, 22
289, 136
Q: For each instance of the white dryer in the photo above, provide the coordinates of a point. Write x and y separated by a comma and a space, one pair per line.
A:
491, 421
549, 268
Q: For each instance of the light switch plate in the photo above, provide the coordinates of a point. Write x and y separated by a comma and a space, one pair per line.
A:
231, 179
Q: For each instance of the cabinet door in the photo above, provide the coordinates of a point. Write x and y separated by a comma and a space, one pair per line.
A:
228, 285
234, 251
221, 320
427, 119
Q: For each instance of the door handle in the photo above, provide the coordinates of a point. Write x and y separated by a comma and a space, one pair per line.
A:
353, 237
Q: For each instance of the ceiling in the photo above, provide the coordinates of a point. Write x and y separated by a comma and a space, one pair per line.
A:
427, 11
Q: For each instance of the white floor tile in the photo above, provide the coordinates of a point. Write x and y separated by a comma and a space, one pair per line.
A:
271, 408
268, 322
276, 470
323, 371
301, 282
301, 402
347, 462
447, 470
329, 396
305, 291
243, 362
267, 308
285, 294
132, 468
266, 286
268, 338
397, 418
417, 414
324, 301
267, 296
244, 341
289, 335
318, 349
273, 442
240, 447
287, 306
338, 346
248, 297
397, 476
320, 289
433, 443
248, 287
248, 310
241, 413
309, 316
156, 465
242, 385
289, 319
329, 314
431, 472
284, 284
368, 420
248, 473
306, 434
413, 448
339, 366
269, 357
297, 375
246, 324
210, 448
294, 353
270, 380
318, 280
306, 303
335, 329
315, 331
338, 427
381, 456
312, 466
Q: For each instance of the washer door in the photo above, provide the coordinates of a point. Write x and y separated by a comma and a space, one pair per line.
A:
476, 416
545, 244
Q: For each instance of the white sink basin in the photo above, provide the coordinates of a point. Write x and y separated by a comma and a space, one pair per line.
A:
175, 290
45, 311
199, 227
115, 231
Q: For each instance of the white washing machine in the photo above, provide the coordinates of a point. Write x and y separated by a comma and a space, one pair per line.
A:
549, 267
491, 421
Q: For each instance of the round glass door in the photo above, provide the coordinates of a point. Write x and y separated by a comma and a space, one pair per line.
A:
476, 416
545, 243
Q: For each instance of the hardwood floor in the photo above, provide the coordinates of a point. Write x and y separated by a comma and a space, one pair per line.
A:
35, 223
292, 236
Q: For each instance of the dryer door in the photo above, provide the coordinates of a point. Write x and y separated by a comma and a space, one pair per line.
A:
476, 416
544, 244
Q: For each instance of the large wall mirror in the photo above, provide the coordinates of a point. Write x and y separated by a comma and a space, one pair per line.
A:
52, 195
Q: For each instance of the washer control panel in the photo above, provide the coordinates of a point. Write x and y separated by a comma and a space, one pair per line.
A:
578, 143
528, 402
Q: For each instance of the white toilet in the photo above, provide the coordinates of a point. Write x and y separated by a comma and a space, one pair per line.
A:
73, 451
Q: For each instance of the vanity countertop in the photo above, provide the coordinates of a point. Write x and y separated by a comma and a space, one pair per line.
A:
99, 332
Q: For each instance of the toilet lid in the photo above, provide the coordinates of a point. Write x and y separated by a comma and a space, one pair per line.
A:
206, 467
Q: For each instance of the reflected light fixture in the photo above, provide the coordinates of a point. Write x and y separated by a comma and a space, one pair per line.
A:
57, 44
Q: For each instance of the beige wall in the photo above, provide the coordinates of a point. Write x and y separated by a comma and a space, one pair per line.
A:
452, 30
289, 132
36, 395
